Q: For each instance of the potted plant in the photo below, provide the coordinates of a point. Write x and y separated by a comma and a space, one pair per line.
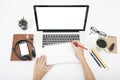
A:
23, 24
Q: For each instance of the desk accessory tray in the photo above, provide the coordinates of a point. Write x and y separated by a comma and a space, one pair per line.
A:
18, 37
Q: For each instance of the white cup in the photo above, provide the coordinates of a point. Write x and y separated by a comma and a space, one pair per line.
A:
101, 44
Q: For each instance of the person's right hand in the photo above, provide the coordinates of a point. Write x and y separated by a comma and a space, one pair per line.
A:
80, 54
78, 50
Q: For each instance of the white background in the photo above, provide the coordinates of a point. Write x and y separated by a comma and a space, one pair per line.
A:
103, 14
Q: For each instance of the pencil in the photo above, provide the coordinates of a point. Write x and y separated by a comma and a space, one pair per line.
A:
98, 60
105, 65
95, 59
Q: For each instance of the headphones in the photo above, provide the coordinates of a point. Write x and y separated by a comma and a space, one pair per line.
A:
25, 57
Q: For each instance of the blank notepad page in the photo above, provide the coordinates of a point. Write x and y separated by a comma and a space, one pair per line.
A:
60, 53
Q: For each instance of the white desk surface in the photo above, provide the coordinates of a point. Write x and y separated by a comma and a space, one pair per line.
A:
103, 14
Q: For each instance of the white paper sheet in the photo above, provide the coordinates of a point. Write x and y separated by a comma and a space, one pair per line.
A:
60, 53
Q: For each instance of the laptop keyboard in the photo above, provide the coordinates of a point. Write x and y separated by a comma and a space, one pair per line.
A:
49, 39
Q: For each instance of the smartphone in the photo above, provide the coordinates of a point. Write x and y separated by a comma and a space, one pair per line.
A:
24, 48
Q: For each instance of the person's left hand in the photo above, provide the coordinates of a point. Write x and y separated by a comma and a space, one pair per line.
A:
40, 68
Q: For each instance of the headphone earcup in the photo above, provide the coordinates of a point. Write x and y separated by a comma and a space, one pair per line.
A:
26, 57
33, 53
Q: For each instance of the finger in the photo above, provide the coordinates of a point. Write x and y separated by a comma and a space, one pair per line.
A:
75, 42
74, 47
81, 45
37, 61
44, 60
40, 60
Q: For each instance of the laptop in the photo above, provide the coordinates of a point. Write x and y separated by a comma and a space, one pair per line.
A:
60, 23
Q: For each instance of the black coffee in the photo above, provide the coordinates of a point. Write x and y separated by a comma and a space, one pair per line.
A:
101, 43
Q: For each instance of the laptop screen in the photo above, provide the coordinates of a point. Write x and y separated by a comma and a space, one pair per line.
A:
61, 17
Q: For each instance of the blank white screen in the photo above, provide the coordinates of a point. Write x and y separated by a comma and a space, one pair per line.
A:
24, 49
61, 17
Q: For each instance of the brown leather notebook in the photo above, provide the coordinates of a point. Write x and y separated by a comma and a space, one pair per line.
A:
19, 37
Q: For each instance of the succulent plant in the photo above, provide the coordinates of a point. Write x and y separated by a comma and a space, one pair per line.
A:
23, 23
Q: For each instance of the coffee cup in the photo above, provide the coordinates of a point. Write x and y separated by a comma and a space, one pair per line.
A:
101, 44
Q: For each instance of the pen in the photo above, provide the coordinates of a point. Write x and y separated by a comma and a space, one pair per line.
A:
105, 65
95, 59
98, 59
78, 45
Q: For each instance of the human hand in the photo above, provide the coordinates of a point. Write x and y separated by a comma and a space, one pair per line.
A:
78, 50
40, 68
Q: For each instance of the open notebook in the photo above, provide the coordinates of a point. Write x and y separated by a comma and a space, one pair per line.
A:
60, 53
